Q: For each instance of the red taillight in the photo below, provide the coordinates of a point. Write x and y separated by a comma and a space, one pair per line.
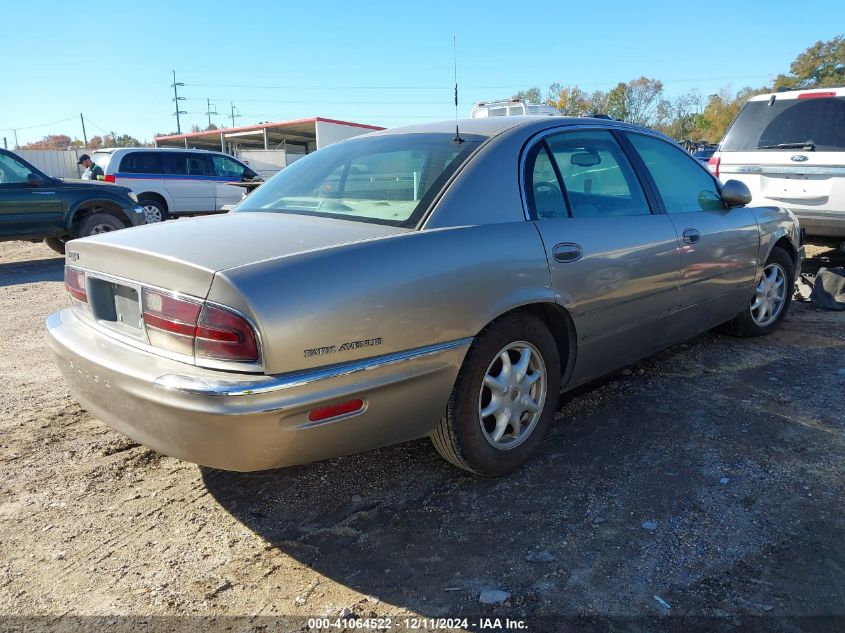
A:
75, 284
224, 335
109, 178
816, 95
713, 165
188, 327
336, 410
171, 321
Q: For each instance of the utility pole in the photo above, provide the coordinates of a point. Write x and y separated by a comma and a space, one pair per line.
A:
84, 135
5, 144
208, 110
16, 139
234, 116
176, 100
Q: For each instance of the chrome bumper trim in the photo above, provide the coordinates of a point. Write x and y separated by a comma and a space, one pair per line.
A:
206, 387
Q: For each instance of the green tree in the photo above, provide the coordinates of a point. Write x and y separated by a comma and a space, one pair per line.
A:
635, 101
532, 95
822, 64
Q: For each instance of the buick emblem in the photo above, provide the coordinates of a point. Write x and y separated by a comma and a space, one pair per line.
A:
799, 158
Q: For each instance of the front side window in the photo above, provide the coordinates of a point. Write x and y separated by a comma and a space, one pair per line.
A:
141, 163
389, 179
227, 167
598, 180
13, 172
683, 184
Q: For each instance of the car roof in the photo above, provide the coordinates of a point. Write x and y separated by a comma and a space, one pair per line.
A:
838, 91
111, 150
493, 126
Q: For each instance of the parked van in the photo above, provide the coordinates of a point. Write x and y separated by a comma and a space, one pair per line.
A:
173, 182
789, 148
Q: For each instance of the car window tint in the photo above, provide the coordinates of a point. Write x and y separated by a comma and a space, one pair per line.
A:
682, 183
767, 124
141, 163
227, 167
548, 201
598, 178
13, 172
186, 164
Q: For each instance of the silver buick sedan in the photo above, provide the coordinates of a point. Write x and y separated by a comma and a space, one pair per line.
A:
416, 281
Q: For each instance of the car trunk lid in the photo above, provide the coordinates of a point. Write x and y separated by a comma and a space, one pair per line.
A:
183, 255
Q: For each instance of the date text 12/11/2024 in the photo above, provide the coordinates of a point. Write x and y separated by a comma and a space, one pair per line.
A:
413, 624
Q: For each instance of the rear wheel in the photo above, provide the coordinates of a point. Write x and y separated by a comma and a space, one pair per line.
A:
154, 210
772, 297
504, 399
56, 243
99, 223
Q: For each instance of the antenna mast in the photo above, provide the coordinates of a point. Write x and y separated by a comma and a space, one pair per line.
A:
457, 138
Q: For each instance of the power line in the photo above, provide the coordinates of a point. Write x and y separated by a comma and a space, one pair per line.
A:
32, 127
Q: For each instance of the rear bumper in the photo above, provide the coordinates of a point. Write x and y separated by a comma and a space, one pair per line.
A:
246, 422
830, 224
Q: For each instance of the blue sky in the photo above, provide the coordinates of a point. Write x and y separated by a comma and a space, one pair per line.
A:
384, 63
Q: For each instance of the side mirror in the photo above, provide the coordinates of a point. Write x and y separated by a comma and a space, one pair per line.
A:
248, 174
34, 180
735, 194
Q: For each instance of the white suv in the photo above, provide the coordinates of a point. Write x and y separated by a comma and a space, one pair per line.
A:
172, 182
789, 148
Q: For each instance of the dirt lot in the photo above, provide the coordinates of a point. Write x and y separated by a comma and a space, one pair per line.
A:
709, 476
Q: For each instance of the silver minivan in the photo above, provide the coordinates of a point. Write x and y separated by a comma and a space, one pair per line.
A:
173, 182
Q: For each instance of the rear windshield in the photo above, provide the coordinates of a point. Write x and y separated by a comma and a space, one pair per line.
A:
789, 125
102, 159
388, 179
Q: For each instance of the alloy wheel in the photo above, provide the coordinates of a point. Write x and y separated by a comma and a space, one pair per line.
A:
513, 394
769, 296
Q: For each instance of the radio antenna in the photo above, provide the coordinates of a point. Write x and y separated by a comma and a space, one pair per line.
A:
457, 138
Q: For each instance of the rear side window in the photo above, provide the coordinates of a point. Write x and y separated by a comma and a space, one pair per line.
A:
789, 125
186, 164
683, 184
141, 163
101, 159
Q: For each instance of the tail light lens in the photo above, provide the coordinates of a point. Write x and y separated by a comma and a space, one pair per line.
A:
713, 165
189, 327
171, 321
75, 284
109, 178
224, 335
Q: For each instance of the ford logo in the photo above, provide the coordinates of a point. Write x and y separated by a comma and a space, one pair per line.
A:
799, 158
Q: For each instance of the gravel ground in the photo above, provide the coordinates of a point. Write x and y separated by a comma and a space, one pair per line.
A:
705, 482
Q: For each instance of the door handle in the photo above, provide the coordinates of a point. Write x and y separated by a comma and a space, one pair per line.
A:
567, 252
691, 236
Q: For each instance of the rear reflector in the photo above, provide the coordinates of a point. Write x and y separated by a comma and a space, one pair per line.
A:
816, 95
713, 165
110, 178
336, 410
75, 284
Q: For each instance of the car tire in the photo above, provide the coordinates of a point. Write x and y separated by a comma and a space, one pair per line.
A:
154, 210
99, 223
477, 433
56, 243
771, 300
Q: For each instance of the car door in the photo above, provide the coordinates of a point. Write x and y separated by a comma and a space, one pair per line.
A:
720, 246
189, 181
29, 200
613, 261
228, 170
